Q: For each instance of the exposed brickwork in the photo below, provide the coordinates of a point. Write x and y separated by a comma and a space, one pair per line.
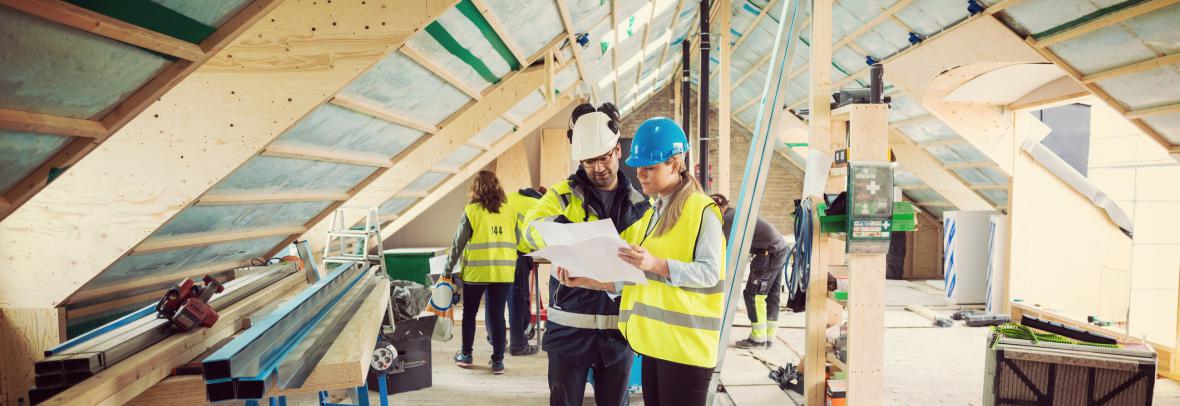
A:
784, 185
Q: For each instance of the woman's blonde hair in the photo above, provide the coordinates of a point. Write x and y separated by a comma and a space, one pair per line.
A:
487, 192
688, 186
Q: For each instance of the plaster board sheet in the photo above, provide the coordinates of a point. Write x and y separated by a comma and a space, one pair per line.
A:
424, 43
1033, 17
534, 22
22, 152
526, 107
267, 174
395, 205
426, 182
586, 13
397, 83
339, 129
460, 157
50, 68
1146, 89
998, 197
1168, 125
165, 262
209, 12
237, 217
493, 132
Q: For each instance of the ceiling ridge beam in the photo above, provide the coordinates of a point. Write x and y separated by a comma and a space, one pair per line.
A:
349, 158
363, 106
1100, 22
217, 199
67, 14
439, 71
158, 244
50, 124
1132, 68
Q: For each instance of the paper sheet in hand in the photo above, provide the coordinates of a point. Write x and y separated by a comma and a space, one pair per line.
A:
588, 249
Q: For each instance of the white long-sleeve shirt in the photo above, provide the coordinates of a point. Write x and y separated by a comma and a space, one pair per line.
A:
705, 269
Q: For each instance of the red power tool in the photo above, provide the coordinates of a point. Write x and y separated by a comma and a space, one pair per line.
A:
187, 304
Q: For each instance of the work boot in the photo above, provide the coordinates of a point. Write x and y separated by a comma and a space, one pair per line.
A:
751, 344
462, 360
497, 367
526, 350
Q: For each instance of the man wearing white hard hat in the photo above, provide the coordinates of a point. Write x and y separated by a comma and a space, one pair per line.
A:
581, 332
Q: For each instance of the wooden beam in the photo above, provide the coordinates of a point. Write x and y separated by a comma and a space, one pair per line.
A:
439, 71
939, 143
1153, 111
50, 124
500, 31
25, 333
574, 47
364, 106
550, 61
1132, 68
614, 49
83, 19
643, 47
878, 19
511, 120
989, 187
913, 120
723, 102
672, 36
754, 24
157, 244
1102, 22
413, 193
314, 154
251, 198
445, 169
1000, 6
965, 165
171, 277
820, 68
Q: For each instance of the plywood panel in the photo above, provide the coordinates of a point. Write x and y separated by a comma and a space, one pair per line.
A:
292, 60
24, 335
513, 168
555, 156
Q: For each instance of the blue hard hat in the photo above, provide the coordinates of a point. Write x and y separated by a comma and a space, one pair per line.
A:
656, 140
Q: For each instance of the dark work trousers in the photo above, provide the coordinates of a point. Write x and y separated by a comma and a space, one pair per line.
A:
497, 298
519, 313
567, 383
674, 384
766, 277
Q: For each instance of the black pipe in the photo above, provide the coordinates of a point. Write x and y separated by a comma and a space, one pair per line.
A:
876, 83
686, 91
703, 95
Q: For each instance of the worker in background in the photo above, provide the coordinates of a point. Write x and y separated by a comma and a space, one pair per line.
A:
674, 320
486, 241
768, 259
581, 332
519, 314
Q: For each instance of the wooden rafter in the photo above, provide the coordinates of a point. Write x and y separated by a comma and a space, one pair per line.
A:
948, 141
1154, 111
672, 31
500, 31
1132, 68
885, 15
319, 154
439, 71
364, 106
643, 49
107, 291
574, 47
50, 124
83, 19
157, 244
966, 165
252, 198
614, 49
133, 105
1001, 6
1102, 22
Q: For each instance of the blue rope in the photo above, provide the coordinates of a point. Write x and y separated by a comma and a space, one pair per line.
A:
801, 254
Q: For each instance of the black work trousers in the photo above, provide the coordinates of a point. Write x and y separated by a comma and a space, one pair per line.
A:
674, 384
567, 382
497, 298
519, 313
766, 278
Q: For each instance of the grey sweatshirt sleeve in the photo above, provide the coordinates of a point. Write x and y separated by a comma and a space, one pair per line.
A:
705, 269
462, 236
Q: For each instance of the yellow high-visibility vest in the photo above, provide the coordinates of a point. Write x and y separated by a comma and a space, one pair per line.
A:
490, 255
672, 323
522, 204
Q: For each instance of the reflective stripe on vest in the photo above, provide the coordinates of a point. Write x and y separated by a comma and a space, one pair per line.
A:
490, 255
579, 320
522, 204
671, 323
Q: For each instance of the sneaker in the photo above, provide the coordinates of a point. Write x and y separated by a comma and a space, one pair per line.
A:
462, 360
749, 344
497, 367
527, 350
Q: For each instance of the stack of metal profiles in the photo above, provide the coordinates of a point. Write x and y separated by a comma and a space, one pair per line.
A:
80, 358
282, 347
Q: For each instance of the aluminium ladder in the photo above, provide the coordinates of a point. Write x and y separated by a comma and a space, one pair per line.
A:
352, 244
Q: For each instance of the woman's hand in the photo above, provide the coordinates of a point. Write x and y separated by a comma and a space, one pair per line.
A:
643, 259
563, 276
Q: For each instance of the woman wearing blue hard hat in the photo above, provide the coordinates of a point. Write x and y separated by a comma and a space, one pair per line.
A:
674, 319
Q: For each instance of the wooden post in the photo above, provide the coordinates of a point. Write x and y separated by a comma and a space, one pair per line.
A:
723, 108
24, 335
869, 141
819, 65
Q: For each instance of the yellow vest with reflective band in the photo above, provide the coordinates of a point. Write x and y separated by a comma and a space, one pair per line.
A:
672, 323
490, 255
522, 204
561, 200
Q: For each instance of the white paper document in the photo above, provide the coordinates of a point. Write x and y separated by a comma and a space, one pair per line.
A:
588, 250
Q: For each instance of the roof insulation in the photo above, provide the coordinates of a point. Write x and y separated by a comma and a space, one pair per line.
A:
23, 152
492, 133
212, 13
534, 23
526, 106
460, 157
397, 83
239, 217
337, 129
461, 42
267, 174
395, 205
140, 266
425, 182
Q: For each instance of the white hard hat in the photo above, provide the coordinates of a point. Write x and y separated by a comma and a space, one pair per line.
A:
592, 136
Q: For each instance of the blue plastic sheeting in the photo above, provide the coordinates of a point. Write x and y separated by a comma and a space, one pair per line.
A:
426, 182
398, 83
21, 153
209, 12
237, 217
173, 261
396, 205
342, 130
50, 68
265, 174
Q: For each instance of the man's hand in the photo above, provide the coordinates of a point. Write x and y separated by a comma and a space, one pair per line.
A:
643, 259
563, 276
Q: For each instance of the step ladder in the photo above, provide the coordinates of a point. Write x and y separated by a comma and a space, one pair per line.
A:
351, 244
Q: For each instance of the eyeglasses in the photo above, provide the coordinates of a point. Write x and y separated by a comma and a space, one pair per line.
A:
603, 160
